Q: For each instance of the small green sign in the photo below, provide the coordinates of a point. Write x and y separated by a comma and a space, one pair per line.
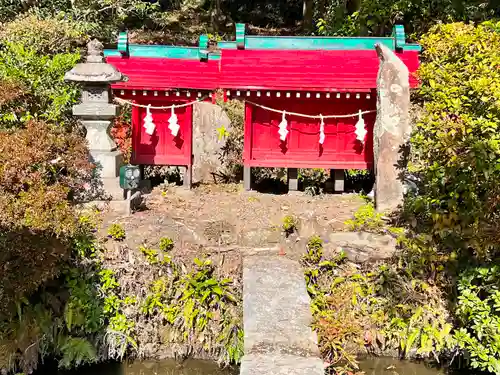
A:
130, 176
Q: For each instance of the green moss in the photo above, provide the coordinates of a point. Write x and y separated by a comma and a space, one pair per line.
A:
366, 219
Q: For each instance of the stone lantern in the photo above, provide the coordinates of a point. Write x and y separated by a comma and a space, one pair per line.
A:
96, 111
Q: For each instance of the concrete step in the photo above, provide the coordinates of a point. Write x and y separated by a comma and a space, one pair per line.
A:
280, 364
276, 318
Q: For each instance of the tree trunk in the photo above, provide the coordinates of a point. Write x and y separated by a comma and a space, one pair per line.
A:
321, 8
308, 11
216, 15
352, 6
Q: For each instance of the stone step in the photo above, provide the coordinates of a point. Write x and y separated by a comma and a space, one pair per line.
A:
280, 364
276, 318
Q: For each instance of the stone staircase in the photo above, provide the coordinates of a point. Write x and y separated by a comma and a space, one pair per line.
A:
277, 317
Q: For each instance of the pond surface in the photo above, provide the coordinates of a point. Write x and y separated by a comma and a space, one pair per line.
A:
371, 366
391, 366
167, 367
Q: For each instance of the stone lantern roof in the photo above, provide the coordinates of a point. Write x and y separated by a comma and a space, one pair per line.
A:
94, 70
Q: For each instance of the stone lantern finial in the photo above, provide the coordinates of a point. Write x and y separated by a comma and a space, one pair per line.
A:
94, 69
95, 51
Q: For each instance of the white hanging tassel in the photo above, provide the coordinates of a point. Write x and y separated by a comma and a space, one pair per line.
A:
360, 128
283, 132
321, 130
148, 122
173, 125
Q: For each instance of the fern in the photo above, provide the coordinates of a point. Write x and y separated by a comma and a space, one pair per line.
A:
77, 351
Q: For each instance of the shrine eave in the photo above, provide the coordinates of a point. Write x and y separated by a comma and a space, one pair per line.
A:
159, 94
353, 93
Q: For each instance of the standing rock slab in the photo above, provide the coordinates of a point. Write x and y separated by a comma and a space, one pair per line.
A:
207, 145
391, 129
276, 318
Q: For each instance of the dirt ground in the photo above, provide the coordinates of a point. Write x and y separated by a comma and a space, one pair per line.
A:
226, 222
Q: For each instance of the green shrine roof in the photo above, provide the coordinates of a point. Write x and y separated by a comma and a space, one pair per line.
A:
397, 42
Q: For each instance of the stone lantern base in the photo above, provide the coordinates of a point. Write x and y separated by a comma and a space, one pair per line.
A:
108, 162
103, 151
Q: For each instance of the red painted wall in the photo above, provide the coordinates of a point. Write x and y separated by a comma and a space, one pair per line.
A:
162, 148
301, 149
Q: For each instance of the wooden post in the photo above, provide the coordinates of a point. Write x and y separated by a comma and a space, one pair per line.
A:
188, 177
128, 207
337, 176
293, 179
247, 146
247, 178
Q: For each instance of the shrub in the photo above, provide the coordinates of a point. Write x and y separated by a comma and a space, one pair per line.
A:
45, 95
34, 57
99, 17
151, 255
41, 171
380, 309
478, 311
369, 17
116, 232
456, 143
48, 36
166, 244
313, 180
289, 224
314, 250
122, 134
196, 303
366, 219
455, 153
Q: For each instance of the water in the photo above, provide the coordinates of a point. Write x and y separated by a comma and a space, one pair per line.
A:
371, 366
390, 366
167, 367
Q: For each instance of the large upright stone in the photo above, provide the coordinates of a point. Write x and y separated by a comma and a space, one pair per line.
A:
208, 145
391, 129
95, 109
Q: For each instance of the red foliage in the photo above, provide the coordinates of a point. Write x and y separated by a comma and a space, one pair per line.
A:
122, 135
42, 169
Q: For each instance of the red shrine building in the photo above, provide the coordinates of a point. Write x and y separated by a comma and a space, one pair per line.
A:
310, 102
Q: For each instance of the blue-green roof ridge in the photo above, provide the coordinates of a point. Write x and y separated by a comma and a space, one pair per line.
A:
396, 42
